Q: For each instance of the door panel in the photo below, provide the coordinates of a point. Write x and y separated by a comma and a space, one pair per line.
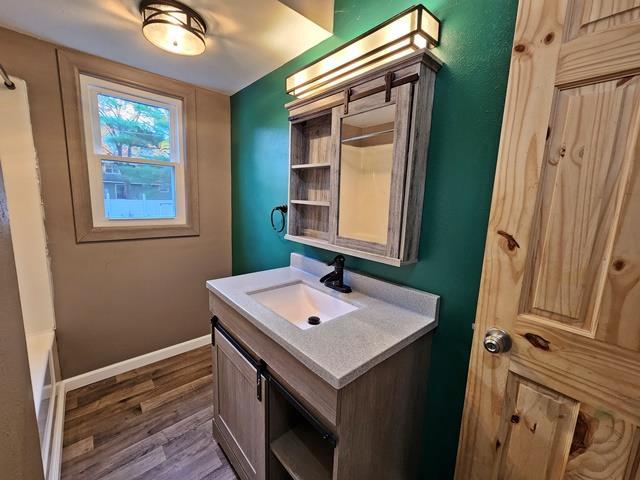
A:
561, 271
592, 16
618, 318
536, 431
584, 174
237, 412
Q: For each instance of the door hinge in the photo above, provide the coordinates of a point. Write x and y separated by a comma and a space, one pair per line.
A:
259, 373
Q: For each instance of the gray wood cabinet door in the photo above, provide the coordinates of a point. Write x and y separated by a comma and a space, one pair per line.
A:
238, 414
370, 144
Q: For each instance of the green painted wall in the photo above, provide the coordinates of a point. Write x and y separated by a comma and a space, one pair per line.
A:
469, 99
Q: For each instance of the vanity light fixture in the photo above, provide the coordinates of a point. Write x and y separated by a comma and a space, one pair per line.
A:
173, 26
414, 29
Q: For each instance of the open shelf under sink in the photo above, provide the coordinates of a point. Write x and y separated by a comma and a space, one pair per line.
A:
297, 453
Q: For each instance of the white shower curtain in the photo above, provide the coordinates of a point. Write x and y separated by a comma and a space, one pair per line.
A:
22, 185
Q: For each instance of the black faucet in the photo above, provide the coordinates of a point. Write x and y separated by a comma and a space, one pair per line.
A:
335, 279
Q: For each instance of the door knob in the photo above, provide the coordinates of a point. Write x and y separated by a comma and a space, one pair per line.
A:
497, 341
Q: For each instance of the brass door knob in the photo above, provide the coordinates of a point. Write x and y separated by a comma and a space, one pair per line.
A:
497, 341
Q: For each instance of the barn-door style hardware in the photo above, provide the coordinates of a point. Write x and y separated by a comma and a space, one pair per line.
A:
358, 148
411, 30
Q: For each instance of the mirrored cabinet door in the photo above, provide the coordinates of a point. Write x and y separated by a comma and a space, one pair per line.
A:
371, 146
366, 161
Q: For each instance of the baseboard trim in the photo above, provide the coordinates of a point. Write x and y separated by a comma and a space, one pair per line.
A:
88, 378
55, 455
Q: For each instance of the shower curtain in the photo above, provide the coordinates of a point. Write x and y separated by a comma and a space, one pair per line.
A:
22, 184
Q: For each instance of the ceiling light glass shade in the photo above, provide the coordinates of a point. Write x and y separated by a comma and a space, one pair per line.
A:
173, 26
414, 29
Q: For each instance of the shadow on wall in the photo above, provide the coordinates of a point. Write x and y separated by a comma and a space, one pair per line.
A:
469, 99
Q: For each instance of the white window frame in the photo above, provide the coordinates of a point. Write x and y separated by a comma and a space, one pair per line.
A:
90, 88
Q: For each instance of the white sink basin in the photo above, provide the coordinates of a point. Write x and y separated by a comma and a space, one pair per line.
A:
297, 302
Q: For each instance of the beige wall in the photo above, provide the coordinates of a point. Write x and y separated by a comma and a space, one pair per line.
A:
116, 300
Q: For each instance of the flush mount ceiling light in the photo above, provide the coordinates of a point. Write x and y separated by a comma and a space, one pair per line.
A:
414, 29
173, 26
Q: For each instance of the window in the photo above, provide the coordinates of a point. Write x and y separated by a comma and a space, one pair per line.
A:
134, 154
132, 149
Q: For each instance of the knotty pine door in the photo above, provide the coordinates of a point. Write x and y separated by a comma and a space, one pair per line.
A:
561, 271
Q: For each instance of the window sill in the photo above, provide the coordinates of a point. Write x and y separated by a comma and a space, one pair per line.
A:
110, 234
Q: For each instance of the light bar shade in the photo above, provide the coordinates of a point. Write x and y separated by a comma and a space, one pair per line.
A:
173, 26
414, 29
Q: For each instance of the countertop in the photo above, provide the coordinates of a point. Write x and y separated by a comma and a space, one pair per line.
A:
388, 318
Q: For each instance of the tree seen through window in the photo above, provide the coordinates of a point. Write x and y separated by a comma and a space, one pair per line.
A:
133, 129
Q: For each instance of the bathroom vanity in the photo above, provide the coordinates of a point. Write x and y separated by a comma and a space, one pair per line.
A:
342, 399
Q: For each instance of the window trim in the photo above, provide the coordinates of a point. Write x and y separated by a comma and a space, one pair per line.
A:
90, 227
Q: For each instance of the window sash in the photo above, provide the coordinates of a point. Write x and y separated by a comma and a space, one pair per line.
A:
91, 87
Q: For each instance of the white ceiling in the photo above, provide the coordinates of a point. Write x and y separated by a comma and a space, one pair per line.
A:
246, 39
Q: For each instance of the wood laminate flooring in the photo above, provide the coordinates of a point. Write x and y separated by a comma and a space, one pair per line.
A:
153, 422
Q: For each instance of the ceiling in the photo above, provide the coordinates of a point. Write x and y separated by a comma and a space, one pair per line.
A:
246, 39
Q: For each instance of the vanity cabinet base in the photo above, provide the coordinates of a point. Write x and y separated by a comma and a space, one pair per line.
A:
371, 428
381, 418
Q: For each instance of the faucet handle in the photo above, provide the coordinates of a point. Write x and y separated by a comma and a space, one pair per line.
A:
338, 261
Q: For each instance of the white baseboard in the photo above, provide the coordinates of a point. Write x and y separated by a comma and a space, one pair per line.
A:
55, 455
88, 378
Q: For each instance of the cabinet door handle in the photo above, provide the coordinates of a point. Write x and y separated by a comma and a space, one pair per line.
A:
214, 322
259, 372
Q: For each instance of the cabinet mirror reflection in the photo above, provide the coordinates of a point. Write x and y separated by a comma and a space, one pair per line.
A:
366, 162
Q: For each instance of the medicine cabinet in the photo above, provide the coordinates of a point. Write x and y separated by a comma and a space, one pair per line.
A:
358, 157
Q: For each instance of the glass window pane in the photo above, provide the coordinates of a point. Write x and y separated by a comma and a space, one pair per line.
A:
135, 191
366, 161
134, 129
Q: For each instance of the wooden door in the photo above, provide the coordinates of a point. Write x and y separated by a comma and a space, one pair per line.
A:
561, 269
366, 212
238, 413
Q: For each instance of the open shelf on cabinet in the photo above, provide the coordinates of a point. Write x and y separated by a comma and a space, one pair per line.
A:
310, 142
318, 203
310, 165
300, 447
309, 220
302, 454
